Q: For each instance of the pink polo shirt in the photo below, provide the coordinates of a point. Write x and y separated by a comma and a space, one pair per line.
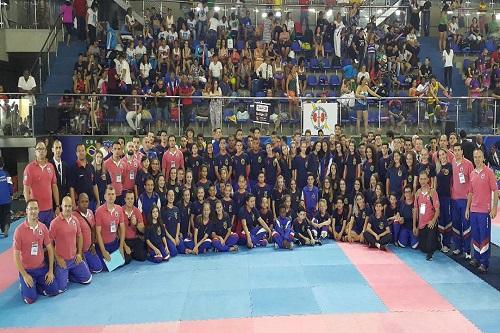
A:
172, 160
426, 209
482, 183
116, 173
131, 230
40, 179
85, 227
109, 221
461, 178
29, 242
129, 172
64, 233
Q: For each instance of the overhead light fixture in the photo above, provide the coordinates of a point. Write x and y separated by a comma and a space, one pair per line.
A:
398, 12
264, 14
497, 16
312, 10
329, 13
216, 9
379, 11
278, 14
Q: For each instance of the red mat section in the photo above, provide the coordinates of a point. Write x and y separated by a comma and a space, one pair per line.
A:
411, 322
9, 273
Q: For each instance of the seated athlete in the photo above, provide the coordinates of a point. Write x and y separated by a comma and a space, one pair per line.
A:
283, 231
155, 236
378, 232
359, 220
339, 220
255, 230
302, 231
223, 239
321, 222
201, 242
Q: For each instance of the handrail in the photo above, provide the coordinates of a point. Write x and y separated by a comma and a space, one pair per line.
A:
442, 98
52, 35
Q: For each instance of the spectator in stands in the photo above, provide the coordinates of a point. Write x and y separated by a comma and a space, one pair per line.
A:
493, 30
27, 85
66, 12
130, 23
133, 108
442, 28
362, 93
80, 12
215, 105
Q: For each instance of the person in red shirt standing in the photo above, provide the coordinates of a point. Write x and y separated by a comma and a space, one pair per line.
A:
80, 10
66, 233
481, 211
115, 167
460, 182
131, 166
186, 89
426, 212
134, 223
40, 184
172, 158
110, 227
29, 239
86, 219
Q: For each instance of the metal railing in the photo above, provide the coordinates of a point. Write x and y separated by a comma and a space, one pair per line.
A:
28, 14
95, 114
41, 65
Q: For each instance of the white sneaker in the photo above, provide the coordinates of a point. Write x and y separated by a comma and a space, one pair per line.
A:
468, 256
456, 252
324, 234
445, 249
276, 246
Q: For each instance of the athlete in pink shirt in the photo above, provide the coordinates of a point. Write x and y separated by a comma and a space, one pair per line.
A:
481, 210
426, 212
172, 158
460, 183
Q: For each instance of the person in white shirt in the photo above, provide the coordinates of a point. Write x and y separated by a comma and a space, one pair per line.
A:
448, 66
92, 22
453, 28
140, 49
265, 72
213, 25
169, 19
201, 26
26, 84
215, 68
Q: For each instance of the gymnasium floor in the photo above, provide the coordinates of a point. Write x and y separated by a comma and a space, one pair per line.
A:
336, 287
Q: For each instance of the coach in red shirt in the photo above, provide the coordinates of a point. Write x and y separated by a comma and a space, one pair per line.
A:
481, 210
426, 212
66, 233
110, 228
172, 158
35, 275
40, 184
115, 168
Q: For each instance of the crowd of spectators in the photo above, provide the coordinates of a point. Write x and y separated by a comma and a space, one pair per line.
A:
206, 53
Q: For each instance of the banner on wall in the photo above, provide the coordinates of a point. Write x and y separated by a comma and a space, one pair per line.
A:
320, 116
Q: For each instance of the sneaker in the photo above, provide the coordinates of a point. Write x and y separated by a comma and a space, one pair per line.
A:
456, 252
275, 246
441, 241
445, 249
468, 256
383, 247
318, 242
234, 248
377, 245
263, 243
482, 269
428, 257
290, 246
474, 263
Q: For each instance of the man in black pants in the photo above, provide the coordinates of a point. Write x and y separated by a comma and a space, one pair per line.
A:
134, 226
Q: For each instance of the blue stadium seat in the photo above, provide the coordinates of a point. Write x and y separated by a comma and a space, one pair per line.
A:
490, 45
312, 81
326, 64
323, 80
240, 45
296, 47
314, 64
334, 81
328, 48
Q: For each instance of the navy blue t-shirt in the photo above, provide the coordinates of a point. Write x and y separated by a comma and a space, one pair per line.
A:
184, 215
300, 164
261, 192
406, 212
229, 207
251, 217
155, 233
270, 166
339, 217
396, 178
221, 226
240, 165
444, 177
378, 225
256, 163
170, 217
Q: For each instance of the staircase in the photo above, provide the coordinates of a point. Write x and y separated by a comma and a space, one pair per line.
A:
60, 78
429, 47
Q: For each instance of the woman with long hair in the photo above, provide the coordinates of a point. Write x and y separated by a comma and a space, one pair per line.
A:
155, 237
100, 170
201, 242
362, 93
444, 176
359, 220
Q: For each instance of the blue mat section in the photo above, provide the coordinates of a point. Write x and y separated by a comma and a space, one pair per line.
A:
474, 298
260, 282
